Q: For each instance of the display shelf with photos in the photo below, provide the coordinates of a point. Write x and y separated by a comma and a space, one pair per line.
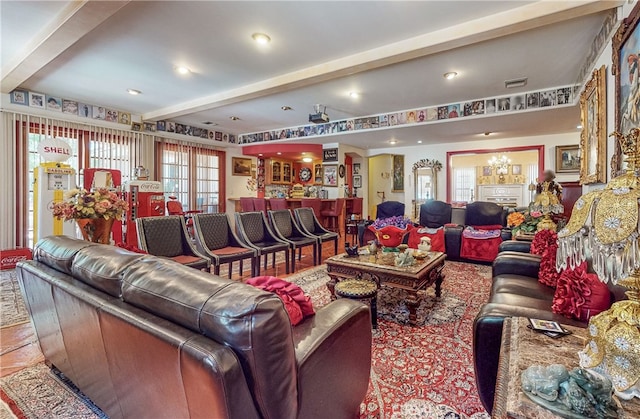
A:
473, 108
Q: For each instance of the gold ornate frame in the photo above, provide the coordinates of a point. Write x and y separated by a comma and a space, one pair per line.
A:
593, 139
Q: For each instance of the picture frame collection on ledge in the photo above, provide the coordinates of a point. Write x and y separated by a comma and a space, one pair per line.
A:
102, 113
522, 102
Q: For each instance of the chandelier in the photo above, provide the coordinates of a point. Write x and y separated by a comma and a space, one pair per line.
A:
500, 165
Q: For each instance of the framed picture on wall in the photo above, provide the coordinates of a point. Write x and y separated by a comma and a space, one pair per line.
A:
398, 173
568, 158
516, 169
356, 168
625, 64
20, 97
330, 175
486, 171
593, 138
357, 181
241, 166
36, 100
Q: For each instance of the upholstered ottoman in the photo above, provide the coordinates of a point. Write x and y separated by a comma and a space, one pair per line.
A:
361, 290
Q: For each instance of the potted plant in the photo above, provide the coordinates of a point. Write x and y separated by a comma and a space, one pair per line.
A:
524, 223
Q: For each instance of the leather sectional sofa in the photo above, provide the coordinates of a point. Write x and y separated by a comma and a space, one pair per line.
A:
515, 292
143, 336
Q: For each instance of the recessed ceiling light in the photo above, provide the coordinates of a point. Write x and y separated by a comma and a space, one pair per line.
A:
261, 38
279, 153
488, 133
134, 92
579, 127
354, 95
419, 141
286, 108
183, 70
392, 142
450, 75
234, 118
259, 154
307, 159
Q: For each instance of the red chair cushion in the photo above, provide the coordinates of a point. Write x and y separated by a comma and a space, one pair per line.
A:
435, 234
580, 294
481, 243
297, 304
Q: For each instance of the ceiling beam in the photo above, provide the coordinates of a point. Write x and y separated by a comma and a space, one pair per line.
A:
74, 21
509, 22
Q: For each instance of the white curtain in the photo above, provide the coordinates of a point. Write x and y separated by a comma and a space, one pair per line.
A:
464, 183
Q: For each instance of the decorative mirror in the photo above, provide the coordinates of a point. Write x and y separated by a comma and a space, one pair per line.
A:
425, 180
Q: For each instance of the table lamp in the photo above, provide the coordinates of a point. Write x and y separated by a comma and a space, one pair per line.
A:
604, 224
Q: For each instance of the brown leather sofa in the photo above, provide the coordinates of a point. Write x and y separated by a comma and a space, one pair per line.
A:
143, 336
515, 292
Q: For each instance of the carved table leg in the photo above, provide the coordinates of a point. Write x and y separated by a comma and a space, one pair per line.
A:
439, 279
412, 304
331, 285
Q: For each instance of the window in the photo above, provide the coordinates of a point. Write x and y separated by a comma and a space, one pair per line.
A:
193, 174
464, 183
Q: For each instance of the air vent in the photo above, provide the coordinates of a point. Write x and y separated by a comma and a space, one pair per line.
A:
209, 123
512, 84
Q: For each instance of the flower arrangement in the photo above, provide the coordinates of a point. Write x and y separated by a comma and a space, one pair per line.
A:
83, 204
397, 221
526, 221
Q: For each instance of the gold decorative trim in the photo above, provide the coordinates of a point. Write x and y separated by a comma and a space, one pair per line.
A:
593, 138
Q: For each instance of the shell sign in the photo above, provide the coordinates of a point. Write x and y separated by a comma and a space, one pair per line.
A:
54, 150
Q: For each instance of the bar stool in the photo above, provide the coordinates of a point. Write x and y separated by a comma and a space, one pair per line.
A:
333, 214
246, 204
278, 204
360, 289
314, 203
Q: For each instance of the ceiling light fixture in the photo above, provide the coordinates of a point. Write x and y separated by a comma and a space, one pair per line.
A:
307, 159
354, 95
279, 153
183, 70
286, 108
259, 154
450, 75
393, 142
512, 84
234, 118
579, 127
419, 141
261, 38
134, 92
488, 133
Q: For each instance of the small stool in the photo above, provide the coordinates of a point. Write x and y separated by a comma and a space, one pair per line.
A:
361, 290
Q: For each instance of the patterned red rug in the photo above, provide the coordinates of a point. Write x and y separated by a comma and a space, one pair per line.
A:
417, 372
424, 371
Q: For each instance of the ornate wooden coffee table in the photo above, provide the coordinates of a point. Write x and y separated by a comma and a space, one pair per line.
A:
414, 278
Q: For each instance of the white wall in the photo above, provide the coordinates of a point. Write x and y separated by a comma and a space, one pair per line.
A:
236, 185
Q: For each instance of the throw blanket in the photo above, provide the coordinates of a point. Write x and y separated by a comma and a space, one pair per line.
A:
481, 242
297, 304
435, 234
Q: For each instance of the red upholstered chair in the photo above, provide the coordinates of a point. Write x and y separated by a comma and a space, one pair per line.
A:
246, 204
260, 204
314, 203
278, 204
332, 214
174, 207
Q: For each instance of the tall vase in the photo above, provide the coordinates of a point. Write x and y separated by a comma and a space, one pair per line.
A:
96, 230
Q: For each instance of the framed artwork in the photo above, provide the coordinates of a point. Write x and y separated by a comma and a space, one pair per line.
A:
161, 125
69, 106
356, 168
36, 100
124, 118
54, 104
149, 126
568, 158
99, 113
516, 169
398, 173
625, 64
330, 175
486, 171
357, 181
85, 110
136, 126
20, 97
330, 154
241, 166
593, 138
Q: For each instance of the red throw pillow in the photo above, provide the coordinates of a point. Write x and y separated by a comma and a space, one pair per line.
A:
297, 304
545, 244
435, 234
580, 295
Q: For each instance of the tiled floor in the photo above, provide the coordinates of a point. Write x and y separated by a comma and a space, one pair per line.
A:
20, 343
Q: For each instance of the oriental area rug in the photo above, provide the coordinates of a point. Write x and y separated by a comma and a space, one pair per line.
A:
424, 371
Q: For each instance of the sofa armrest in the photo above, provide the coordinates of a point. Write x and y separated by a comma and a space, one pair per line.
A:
487, 339
515, 246
516, 263
333, 353
505, 234
453, 240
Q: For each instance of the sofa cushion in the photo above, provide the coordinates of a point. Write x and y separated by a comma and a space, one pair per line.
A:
580, 295
545, 244
103, 266
250, 321
522, 285
58, 251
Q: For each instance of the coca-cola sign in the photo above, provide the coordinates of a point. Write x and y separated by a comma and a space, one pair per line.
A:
10, 258
150, 187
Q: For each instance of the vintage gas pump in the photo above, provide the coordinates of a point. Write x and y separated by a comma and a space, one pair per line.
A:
52, 180
145, 199
110, 179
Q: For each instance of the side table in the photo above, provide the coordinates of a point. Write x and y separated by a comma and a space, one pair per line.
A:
522, 347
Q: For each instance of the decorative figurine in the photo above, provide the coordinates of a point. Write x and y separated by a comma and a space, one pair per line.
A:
351, 251
569, 394
404, 258
425, 244
373, 247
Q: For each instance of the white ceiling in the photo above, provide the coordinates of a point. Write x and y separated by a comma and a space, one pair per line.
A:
139, 46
